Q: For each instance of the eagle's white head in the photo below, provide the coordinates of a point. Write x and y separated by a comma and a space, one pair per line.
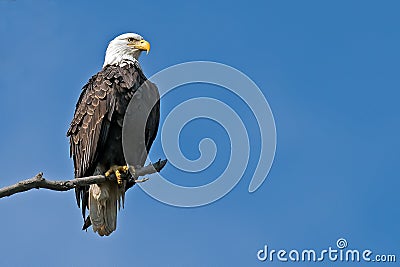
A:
125, 47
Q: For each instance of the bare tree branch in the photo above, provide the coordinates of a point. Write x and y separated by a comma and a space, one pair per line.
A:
40, 182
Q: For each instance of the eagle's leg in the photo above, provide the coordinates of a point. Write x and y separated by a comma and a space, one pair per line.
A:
117, 171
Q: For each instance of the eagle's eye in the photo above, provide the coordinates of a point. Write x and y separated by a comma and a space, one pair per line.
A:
130, 39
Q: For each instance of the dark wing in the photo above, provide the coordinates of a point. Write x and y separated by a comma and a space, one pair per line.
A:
106, 93
89, 128
141, 120
154, 117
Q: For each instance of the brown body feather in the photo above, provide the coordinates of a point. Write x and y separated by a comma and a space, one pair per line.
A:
96, 129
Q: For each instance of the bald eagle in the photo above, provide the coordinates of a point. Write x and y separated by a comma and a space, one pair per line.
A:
95, 132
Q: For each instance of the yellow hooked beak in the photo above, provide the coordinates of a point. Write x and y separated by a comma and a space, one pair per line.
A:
142, 45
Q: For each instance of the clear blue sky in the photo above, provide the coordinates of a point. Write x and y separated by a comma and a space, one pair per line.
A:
329, 69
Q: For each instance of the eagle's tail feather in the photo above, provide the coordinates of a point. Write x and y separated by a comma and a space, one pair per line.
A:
103, 207
103, 200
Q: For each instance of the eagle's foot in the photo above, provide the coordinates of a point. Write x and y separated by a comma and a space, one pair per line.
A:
117, 171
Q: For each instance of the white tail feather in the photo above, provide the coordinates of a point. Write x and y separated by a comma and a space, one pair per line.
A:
103, 200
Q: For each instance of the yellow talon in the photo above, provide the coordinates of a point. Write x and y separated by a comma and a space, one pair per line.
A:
117, 171
118, 175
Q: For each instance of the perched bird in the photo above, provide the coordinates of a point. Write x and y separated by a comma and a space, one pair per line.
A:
95, 132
